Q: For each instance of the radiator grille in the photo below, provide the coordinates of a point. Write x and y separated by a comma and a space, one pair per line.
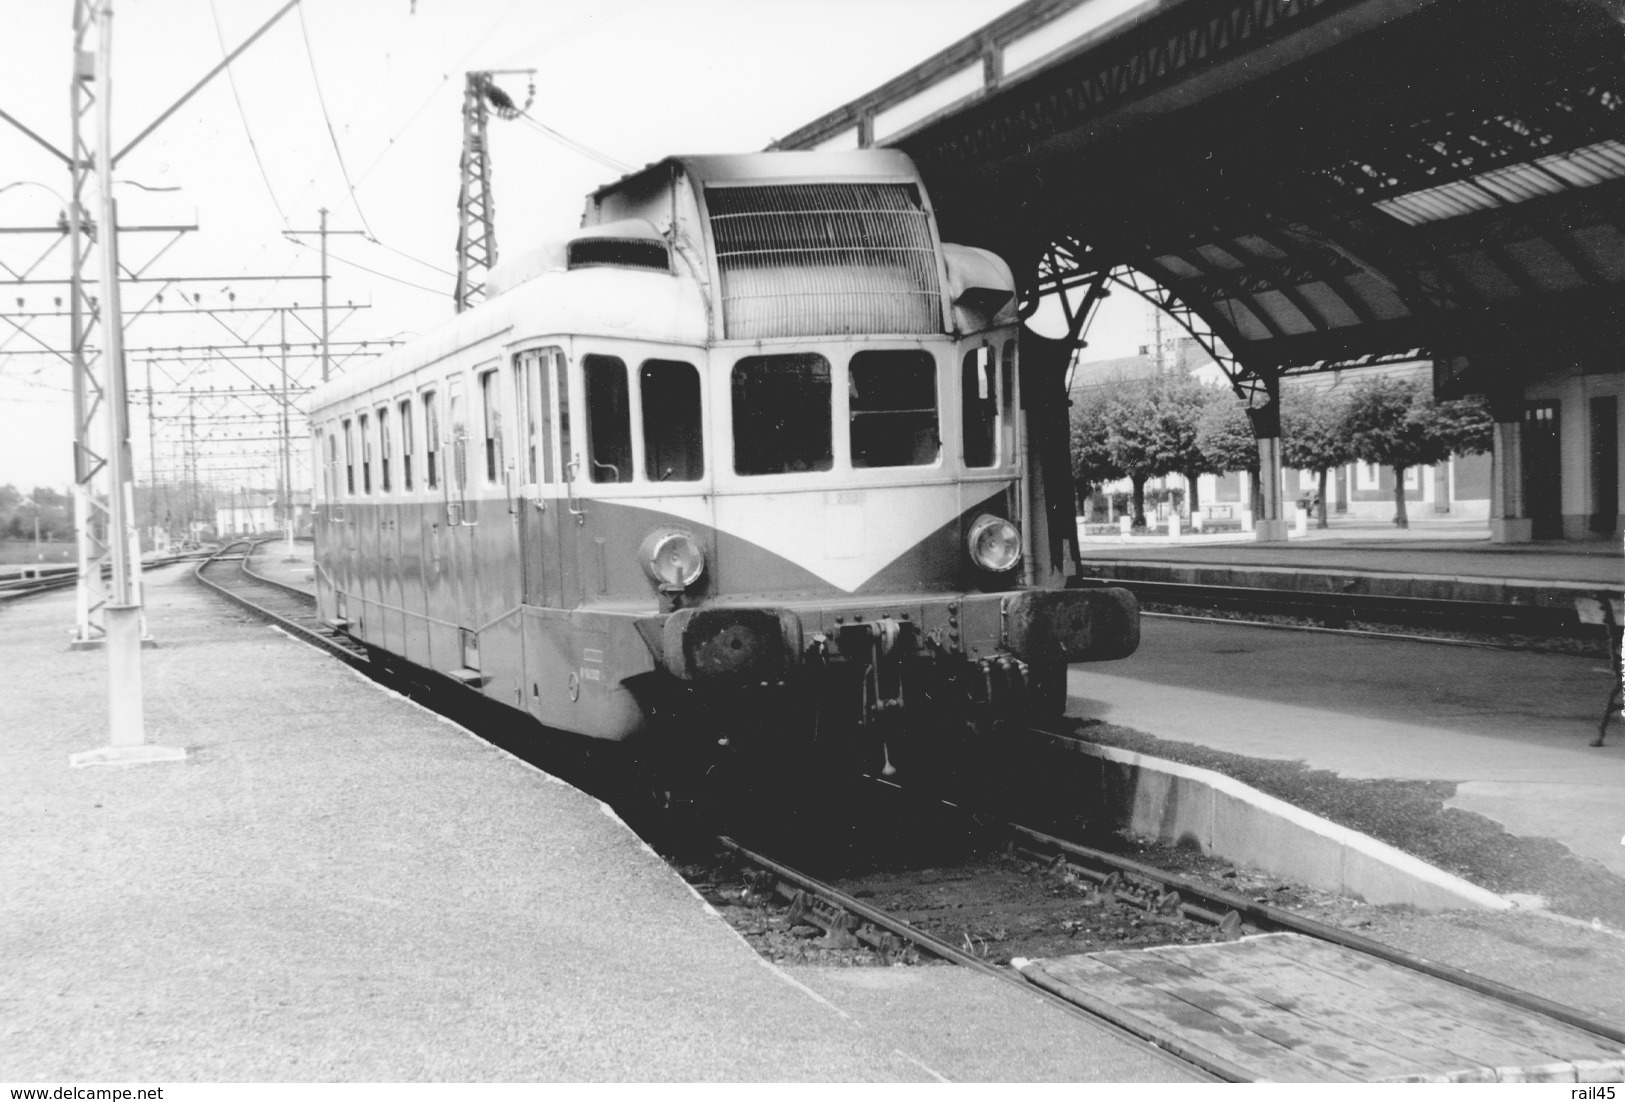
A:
819, 259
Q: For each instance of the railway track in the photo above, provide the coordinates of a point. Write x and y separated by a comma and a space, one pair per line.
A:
1379, 614
289, 608
1572, 1046
48, 579
1158, 899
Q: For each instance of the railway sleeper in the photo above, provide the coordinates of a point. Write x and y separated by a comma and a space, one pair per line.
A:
1143, 894
842, 929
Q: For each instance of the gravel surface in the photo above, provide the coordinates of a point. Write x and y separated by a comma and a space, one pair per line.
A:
1412, 816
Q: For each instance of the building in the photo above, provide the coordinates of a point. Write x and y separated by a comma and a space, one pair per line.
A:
1459, 489
255, 512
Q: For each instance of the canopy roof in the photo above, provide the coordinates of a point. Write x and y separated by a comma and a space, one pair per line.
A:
1315, 183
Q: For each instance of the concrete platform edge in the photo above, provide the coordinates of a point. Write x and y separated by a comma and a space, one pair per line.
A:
1175, 803
1373, 581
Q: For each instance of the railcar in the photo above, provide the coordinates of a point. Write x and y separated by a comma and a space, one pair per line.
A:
743, 462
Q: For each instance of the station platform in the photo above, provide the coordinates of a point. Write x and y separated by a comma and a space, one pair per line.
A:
336, 885
1443, 560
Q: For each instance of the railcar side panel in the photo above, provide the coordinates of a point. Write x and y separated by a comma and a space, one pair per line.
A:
414, 597
389, 553
576, 666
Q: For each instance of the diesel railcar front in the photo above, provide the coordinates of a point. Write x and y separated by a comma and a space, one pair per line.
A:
744, 462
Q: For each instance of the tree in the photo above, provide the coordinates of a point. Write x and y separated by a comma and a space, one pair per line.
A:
1314, 436
1225, 435
10, 522
1397, 424
1091, 432
1466, 425
1134, 442
1183, 401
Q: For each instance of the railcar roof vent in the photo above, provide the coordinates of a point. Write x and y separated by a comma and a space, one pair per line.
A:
816, 259
630, 243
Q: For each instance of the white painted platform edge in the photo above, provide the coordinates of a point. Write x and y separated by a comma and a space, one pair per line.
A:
1363, 844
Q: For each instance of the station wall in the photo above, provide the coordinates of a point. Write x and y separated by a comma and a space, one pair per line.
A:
1588, 401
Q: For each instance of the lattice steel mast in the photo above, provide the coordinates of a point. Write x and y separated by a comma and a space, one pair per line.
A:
476, 213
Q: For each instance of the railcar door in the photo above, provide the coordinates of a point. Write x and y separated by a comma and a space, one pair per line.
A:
495, 539
547, 558
392, 614
464, 506
440, 516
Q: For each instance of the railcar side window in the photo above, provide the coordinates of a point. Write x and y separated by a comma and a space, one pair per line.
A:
550, 381
562, 380
349, 458
524, 384
383, 450
364, 424
609, 419
490, 403
894, 408
431, 439
979, 406
406, 443
673, 449
330, 470
459, 435
781, 414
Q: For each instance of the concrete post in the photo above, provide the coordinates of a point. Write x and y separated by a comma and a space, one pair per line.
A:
1271, 524
121, 616
1508, 522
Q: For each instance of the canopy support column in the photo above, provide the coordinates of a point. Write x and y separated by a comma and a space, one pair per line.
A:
1509, 516
1270, 526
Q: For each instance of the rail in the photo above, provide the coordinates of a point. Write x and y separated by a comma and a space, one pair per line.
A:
1140, 885
296, 609
1115, 1017
36, 580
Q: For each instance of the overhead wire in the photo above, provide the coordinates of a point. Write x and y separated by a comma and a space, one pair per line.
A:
374, 271
409, 256
327, 118
231, 77
582, 148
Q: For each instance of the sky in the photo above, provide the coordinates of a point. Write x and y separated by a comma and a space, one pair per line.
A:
354, 106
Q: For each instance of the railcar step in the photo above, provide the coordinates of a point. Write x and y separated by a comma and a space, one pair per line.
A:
467, 676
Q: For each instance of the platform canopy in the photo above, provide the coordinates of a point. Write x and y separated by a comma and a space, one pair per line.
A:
1316, 184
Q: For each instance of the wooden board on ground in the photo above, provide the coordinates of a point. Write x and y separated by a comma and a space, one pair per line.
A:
1290, 1008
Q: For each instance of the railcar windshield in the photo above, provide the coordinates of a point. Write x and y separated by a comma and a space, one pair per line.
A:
979, 406
781, 414
893, 402
609, 418
673, 443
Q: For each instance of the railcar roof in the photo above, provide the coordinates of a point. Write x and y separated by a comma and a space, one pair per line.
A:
852, 164
614, 303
